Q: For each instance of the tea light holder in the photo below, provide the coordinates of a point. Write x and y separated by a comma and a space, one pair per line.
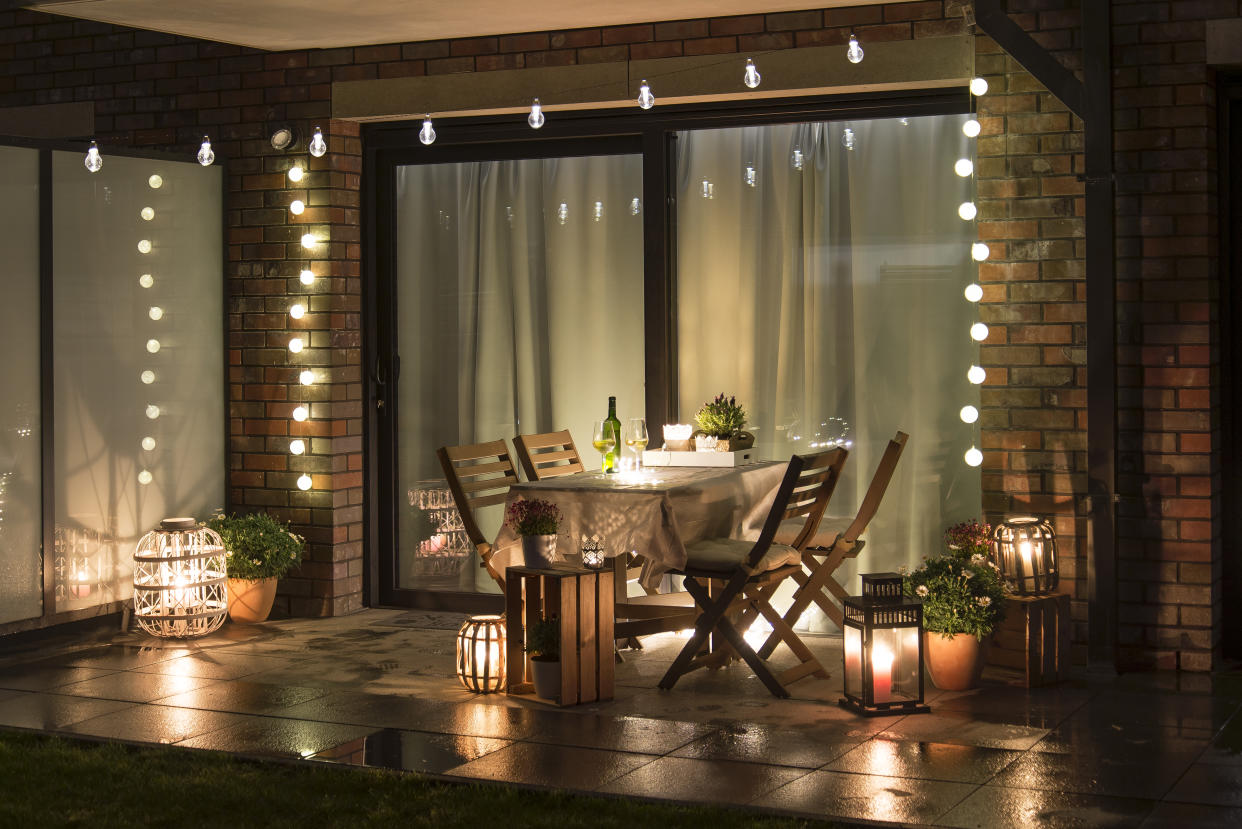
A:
593, 557
1026, 552
677, 436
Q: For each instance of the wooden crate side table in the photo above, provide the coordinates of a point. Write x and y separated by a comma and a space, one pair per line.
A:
583, 601
1034, 638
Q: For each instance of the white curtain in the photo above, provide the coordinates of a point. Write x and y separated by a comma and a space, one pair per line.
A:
520, 297
822, 285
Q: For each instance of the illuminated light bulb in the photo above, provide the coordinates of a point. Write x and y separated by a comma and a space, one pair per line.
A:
598, 212
317, 145
307, 276
855, 52
147, 377
562, 213
144, 477
94, 161
971, 128
428, 133
309, 240
905, 122
148, 443
709, 189
156, 181
300, 414
153, 345
750, 176
848, 140
967, 210
796, 160
976, 375
980, 251
306, 377
296, 345
153, 412
297, 447
968, 414
146, 280
535, 119
304, 482
636, 206
973, 457
973, 292
645, 99
979, 86
979, 332
147, 214
205, 154
751, 77
156, 312
296, 172
964, 167
297, 207
297, 310
144, 245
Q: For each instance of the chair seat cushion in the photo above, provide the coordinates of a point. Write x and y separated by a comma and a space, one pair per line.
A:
829, 531
725, 555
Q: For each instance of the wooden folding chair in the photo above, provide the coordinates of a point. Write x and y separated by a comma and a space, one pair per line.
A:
829, 545
478, 476
548, 455
748, 573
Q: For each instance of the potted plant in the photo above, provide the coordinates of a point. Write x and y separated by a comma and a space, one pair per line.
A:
963, 598
259, 550
543, 643
720, 426
536, 521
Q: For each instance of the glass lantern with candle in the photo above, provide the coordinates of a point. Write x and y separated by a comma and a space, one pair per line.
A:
1026, 552
883, 649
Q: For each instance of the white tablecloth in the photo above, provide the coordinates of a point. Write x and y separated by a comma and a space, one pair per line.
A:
656, 512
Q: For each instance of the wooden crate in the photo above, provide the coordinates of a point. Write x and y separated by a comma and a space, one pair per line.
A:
583, 600
1034, 638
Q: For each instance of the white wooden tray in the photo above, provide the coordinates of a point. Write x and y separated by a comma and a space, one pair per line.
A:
659, 457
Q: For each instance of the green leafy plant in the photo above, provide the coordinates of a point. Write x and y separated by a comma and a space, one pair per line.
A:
533, 516
961, 590
543, 640
721, 417
258, 546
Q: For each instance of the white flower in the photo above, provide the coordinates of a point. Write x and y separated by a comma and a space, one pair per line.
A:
984, 601
922, 590
978, 558
966, 573
903, 570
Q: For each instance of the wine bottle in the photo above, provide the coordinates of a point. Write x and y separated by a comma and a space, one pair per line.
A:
612, 459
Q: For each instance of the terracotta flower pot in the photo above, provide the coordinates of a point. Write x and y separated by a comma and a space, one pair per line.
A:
954, 663
538, 550
251, 601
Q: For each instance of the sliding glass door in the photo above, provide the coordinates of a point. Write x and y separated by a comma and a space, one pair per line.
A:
518, 292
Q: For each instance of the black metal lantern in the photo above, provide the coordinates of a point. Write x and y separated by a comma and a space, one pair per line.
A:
1026, 552
883, 649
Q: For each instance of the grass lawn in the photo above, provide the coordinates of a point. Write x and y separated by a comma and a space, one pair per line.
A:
49, 782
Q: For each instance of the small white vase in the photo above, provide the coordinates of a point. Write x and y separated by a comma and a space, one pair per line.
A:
705, 443
539, 550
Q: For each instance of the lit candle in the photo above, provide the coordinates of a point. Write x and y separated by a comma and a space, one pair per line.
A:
881, 672
1024, 550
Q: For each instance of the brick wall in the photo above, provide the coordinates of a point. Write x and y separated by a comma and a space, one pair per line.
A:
154, 90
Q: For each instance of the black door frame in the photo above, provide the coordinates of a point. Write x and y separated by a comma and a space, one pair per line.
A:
594, 132
1227, 395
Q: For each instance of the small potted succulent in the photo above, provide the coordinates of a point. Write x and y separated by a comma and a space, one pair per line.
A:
720, 426
536, 521
543, 643
259, 551
963, 598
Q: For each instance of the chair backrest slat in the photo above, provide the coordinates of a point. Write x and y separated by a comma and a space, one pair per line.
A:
462, 464
879, 485
547, 455
821, 469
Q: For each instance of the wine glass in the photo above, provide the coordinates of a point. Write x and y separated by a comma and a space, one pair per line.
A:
604, 439
636, 438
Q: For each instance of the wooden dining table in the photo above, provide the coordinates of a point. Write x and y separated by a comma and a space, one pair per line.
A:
656, 512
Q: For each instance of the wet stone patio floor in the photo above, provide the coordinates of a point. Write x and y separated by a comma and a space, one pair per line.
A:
377, 688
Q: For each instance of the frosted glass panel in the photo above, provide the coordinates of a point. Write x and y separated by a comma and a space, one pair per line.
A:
520, 297
819, 279
21, 583
138, 370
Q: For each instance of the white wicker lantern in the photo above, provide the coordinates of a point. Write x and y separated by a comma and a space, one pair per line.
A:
481, 654
179, 580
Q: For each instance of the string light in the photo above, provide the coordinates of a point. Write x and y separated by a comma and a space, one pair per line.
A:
309, 240
296, 172
964, 167
976, 375
317, 145
297, 310
297, 207
978, 86
297, 446
969, 414
855, 52
973, 292
144, 245
304, 482
535, 119
205, 154
427, 134
300, 413
148, 443
307, 276
980, 251
147, 214
296, 345
306, 377
147, 377
153, 346
973, 457
156, 181
751, 76
146, 280
971, 128
645, 99
152, 412
967, 210
979, 332
156, 313
94, 161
